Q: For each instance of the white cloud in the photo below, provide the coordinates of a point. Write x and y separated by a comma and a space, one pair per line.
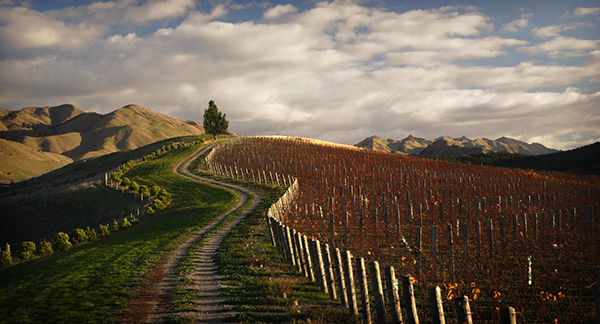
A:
22, 29
339, 71
554, 30
515, 26
158, 10
563, 46
279, 10
547, 32
587, 11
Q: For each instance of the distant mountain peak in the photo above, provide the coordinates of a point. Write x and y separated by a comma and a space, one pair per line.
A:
448, 146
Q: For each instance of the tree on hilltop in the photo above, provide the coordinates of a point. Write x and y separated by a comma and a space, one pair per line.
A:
214, 120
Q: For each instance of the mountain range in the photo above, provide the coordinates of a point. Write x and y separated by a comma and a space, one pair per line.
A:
35, 140
452, 147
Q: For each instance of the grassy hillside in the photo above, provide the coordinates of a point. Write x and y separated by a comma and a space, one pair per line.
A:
18, 161
93, 283
74, 135
39, 119
42, 207
94, 167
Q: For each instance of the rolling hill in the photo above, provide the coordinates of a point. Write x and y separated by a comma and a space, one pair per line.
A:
36, 140
452, 147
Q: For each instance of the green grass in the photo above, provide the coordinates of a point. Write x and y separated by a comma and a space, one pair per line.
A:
94, 283
260, 276
37, 217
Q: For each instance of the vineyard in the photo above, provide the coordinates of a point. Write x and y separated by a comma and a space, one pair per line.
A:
502, 237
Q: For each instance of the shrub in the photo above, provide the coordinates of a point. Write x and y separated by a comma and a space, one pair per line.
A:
125, 223
125, 182
134, 186
165, 196
28, 249
78, 236
114, 226
5, 259
45, 248
158, 204
155, 190
91, 234
61, 242
144, 190
104, 231
116, 176
149, 210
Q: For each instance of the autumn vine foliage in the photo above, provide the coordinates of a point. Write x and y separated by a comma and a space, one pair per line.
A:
501, 236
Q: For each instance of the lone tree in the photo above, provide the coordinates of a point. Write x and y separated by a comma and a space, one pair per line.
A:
214, 120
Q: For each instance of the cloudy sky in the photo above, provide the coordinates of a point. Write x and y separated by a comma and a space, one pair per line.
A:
338, 71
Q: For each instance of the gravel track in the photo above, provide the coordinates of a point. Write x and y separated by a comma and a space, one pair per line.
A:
209, 306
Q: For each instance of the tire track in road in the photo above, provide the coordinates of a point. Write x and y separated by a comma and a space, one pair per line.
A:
209, 305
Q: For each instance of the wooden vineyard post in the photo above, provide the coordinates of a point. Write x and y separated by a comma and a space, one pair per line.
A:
297, 254
478, 238
409, 300
419, 246
434, 247
597, 293
309, 264
508, 315
393, 296
398, 225
501, 231
436, 305
281, 235
270, 221
341, 282
301, 254
290, 246
377, 291
349, 276
321, 267
463, 310
364, 290
375, 221
361, 222
490, 228
535, 225
329, 271
313, 260
451, 247
331, 230
524, 222
345, 220
465, 239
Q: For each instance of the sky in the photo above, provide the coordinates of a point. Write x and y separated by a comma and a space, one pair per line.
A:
338, 71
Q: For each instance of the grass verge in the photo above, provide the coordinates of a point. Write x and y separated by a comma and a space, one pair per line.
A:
94, 283
265, 288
